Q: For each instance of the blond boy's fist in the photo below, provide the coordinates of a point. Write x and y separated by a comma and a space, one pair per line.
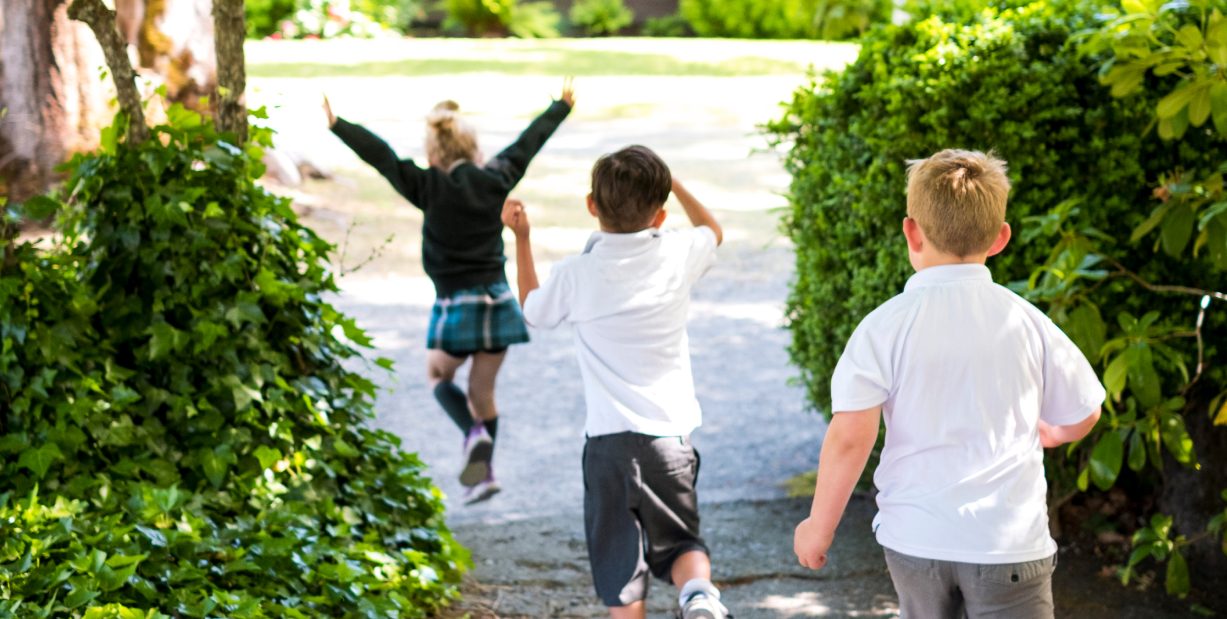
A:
811, 541
515, 217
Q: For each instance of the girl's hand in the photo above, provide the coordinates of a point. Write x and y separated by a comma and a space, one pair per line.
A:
515, 217
568, 91
332, 119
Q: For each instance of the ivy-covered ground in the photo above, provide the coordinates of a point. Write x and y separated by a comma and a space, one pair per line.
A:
527, 543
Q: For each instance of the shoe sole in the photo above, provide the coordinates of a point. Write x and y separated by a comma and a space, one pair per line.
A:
484, 496
478, 467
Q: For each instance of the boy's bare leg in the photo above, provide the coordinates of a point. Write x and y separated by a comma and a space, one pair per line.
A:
638, 610
481, 384
690, 565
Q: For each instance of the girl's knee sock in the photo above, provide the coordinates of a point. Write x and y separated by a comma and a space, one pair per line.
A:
456, 404
491, 427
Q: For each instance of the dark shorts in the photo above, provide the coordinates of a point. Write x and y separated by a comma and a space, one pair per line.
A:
480, 319
640, 510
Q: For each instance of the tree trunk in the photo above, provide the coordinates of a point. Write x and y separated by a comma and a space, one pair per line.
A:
229, 32
52, 101
102, 21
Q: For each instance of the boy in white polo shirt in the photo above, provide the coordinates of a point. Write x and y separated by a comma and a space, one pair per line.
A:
627, 297
972, 381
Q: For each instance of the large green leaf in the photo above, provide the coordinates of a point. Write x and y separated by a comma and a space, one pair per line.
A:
1106, 459
1177, 580
39, 459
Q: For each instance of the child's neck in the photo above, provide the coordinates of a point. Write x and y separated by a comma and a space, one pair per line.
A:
925, 260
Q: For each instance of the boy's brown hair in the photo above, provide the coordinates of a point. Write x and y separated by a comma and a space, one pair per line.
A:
628, 187
958, 198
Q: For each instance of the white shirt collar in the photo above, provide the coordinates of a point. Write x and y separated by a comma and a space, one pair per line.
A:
948, 273
601, 241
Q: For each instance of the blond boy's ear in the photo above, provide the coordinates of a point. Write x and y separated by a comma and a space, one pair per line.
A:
914, 235
592, 206
1003, 239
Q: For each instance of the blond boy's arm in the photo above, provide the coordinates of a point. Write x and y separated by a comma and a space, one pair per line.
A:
1055, 436
515, 217
845, 451
695, 211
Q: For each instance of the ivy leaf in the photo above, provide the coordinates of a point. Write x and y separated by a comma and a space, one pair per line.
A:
38, 460
267, 456
164, 339
1106, 459
216, 462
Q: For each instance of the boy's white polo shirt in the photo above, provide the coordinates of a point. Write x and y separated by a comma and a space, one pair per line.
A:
964, 369
627, 298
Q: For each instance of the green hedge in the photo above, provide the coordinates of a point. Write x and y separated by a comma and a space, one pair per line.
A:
180, 433
784, 19
1011, 83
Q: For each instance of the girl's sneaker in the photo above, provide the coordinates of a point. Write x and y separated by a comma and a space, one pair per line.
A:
483, 490
478, 451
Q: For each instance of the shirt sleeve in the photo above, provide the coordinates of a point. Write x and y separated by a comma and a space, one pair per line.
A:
550, 305
405, 176
1072, 390
863, 377
512, 162
702, 254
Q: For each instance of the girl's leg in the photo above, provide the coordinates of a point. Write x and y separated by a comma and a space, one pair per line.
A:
440, 371
637, 610
482, 376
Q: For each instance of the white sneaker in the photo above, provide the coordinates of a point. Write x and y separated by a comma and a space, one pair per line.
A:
478, 451
482, 491
703, 606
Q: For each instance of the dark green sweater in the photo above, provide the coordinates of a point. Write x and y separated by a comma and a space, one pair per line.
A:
462, 231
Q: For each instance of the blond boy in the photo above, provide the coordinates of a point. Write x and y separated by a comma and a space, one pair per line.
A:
972, 382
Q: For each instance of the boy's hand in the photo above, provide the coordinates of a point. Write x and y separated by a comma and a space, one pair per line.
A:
332, 119
811, 542
515, 217
568, 91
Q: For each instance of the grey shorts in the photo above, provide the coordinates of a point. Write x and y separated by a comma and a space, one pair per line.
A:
640, 510
929, 588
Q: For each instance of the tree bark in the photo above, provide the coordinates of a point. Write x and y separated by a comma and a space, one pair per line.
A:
102, 21
52, 101
229, 32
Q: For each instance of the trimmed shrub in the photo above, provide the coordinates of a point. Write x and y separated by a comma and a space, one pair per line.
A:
526, 20
180, 433
784, 19
668, 26
598, 17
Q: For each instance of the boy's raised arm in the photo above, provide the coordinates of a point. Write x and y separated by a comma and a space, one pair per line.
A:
516, 218
845, 450
698, 214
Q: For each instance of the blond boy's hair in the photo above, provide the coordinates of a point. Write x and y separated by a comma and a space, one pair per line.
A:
958, 198
448, 137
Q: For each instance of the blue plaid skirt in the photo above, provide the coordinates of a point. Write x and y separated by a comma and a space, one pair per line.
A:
482, 318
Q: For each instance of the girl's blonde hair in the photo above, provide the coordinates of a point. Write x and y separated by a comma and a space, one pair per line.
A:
448, 137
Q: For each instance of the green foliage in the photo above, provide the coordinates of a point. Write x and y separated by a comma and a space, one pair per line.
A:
522, 19
598, 17
669, 26
264, 17
181, 434
784, 19
1084, 171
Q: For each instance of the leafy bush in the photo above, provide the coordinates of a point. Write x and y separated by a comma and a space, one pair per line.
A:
668, 26
329, 18
599, 17
522, 19
1016, 81
181, 435
264, 17
784, 19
